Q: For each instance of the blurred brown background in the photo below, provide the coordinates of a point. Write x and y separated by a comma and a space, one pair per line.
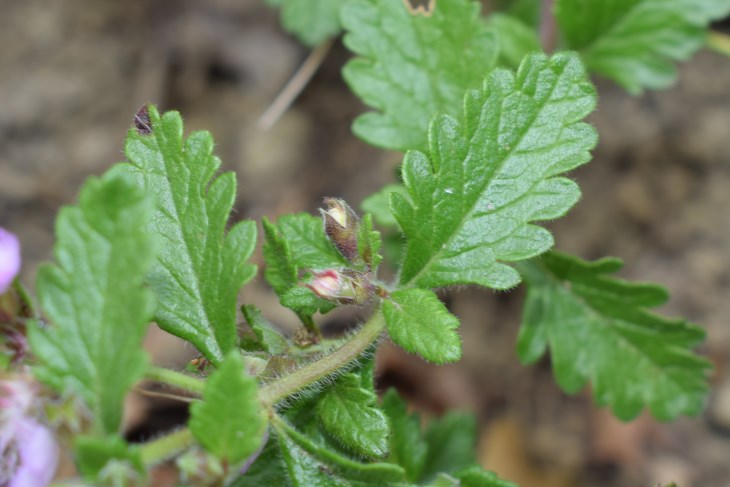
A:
73, 73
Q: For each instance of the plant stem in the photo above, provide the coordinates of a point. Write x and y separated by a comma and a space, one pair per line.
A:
300, 379
176, 379
719, 42
548, 31
166, 447
295, 86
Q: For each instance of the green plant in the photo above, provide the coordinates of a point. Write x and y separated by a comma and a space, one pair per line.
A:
489, 126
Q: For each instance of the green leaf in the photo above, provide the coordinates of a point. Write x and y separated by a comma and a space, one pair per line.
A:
451, 443
95, 299
305, 303
406, 446
487, 179
599, 328
444, 480
201, 267
296, 243
318, 466
421, 324
634, 42
229, 422
312, 21
476, 476
266, 337
348, 412
378, 204
369, 243
412, 66
268, 469
527, 11
516, 39
107, 457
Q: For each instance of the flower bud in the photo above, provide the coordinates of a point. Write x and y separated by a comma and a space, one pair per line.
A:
9, 259
344, 287
341, 225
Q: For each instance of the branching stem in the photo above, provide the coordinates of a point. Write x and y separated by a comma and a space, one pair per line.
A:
175, 379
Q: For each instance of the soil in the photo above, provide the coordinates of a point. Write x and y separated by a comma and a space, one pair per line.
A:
73, 73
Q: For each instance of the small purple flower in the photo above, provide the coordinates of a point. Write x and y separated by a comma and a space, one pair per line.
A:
28, 452
9, 258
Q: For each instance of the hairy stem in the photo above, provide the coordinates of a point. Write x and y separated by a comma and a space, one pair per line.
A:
176, 379
166, 447
329, 364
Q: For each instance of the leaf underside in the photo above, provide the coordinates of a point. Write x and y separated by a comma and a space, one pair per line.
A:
474, 196
201, 266
599, 328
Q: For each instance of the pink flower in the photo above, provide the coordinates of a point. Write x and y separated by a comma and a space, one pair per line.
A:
9, 258
345, 287
28, 452
326, 284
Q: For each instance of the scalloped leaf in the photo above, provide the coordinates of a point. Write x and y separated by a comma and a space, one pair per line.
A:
348, 412
475, 196
599, 329
230, 421
95, 299
634, 42
201, 266
413, 66
421, 324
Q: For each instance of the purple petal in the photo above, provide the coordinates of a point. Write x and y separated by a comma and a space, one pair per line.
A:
9, 258
38, 454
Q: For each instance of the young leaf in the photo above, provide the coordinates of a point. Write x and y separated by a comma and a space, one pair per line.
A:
378, 204
421, 324
599, 328
476, 476
451, 442
312, 21
348, 412
229, 422
267, 338
413, 66
200, 268
634, 42
486, 180
315, 465
94, 455
369, 243
516, 39
305, 302
295, 243
406, 446
95, 299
